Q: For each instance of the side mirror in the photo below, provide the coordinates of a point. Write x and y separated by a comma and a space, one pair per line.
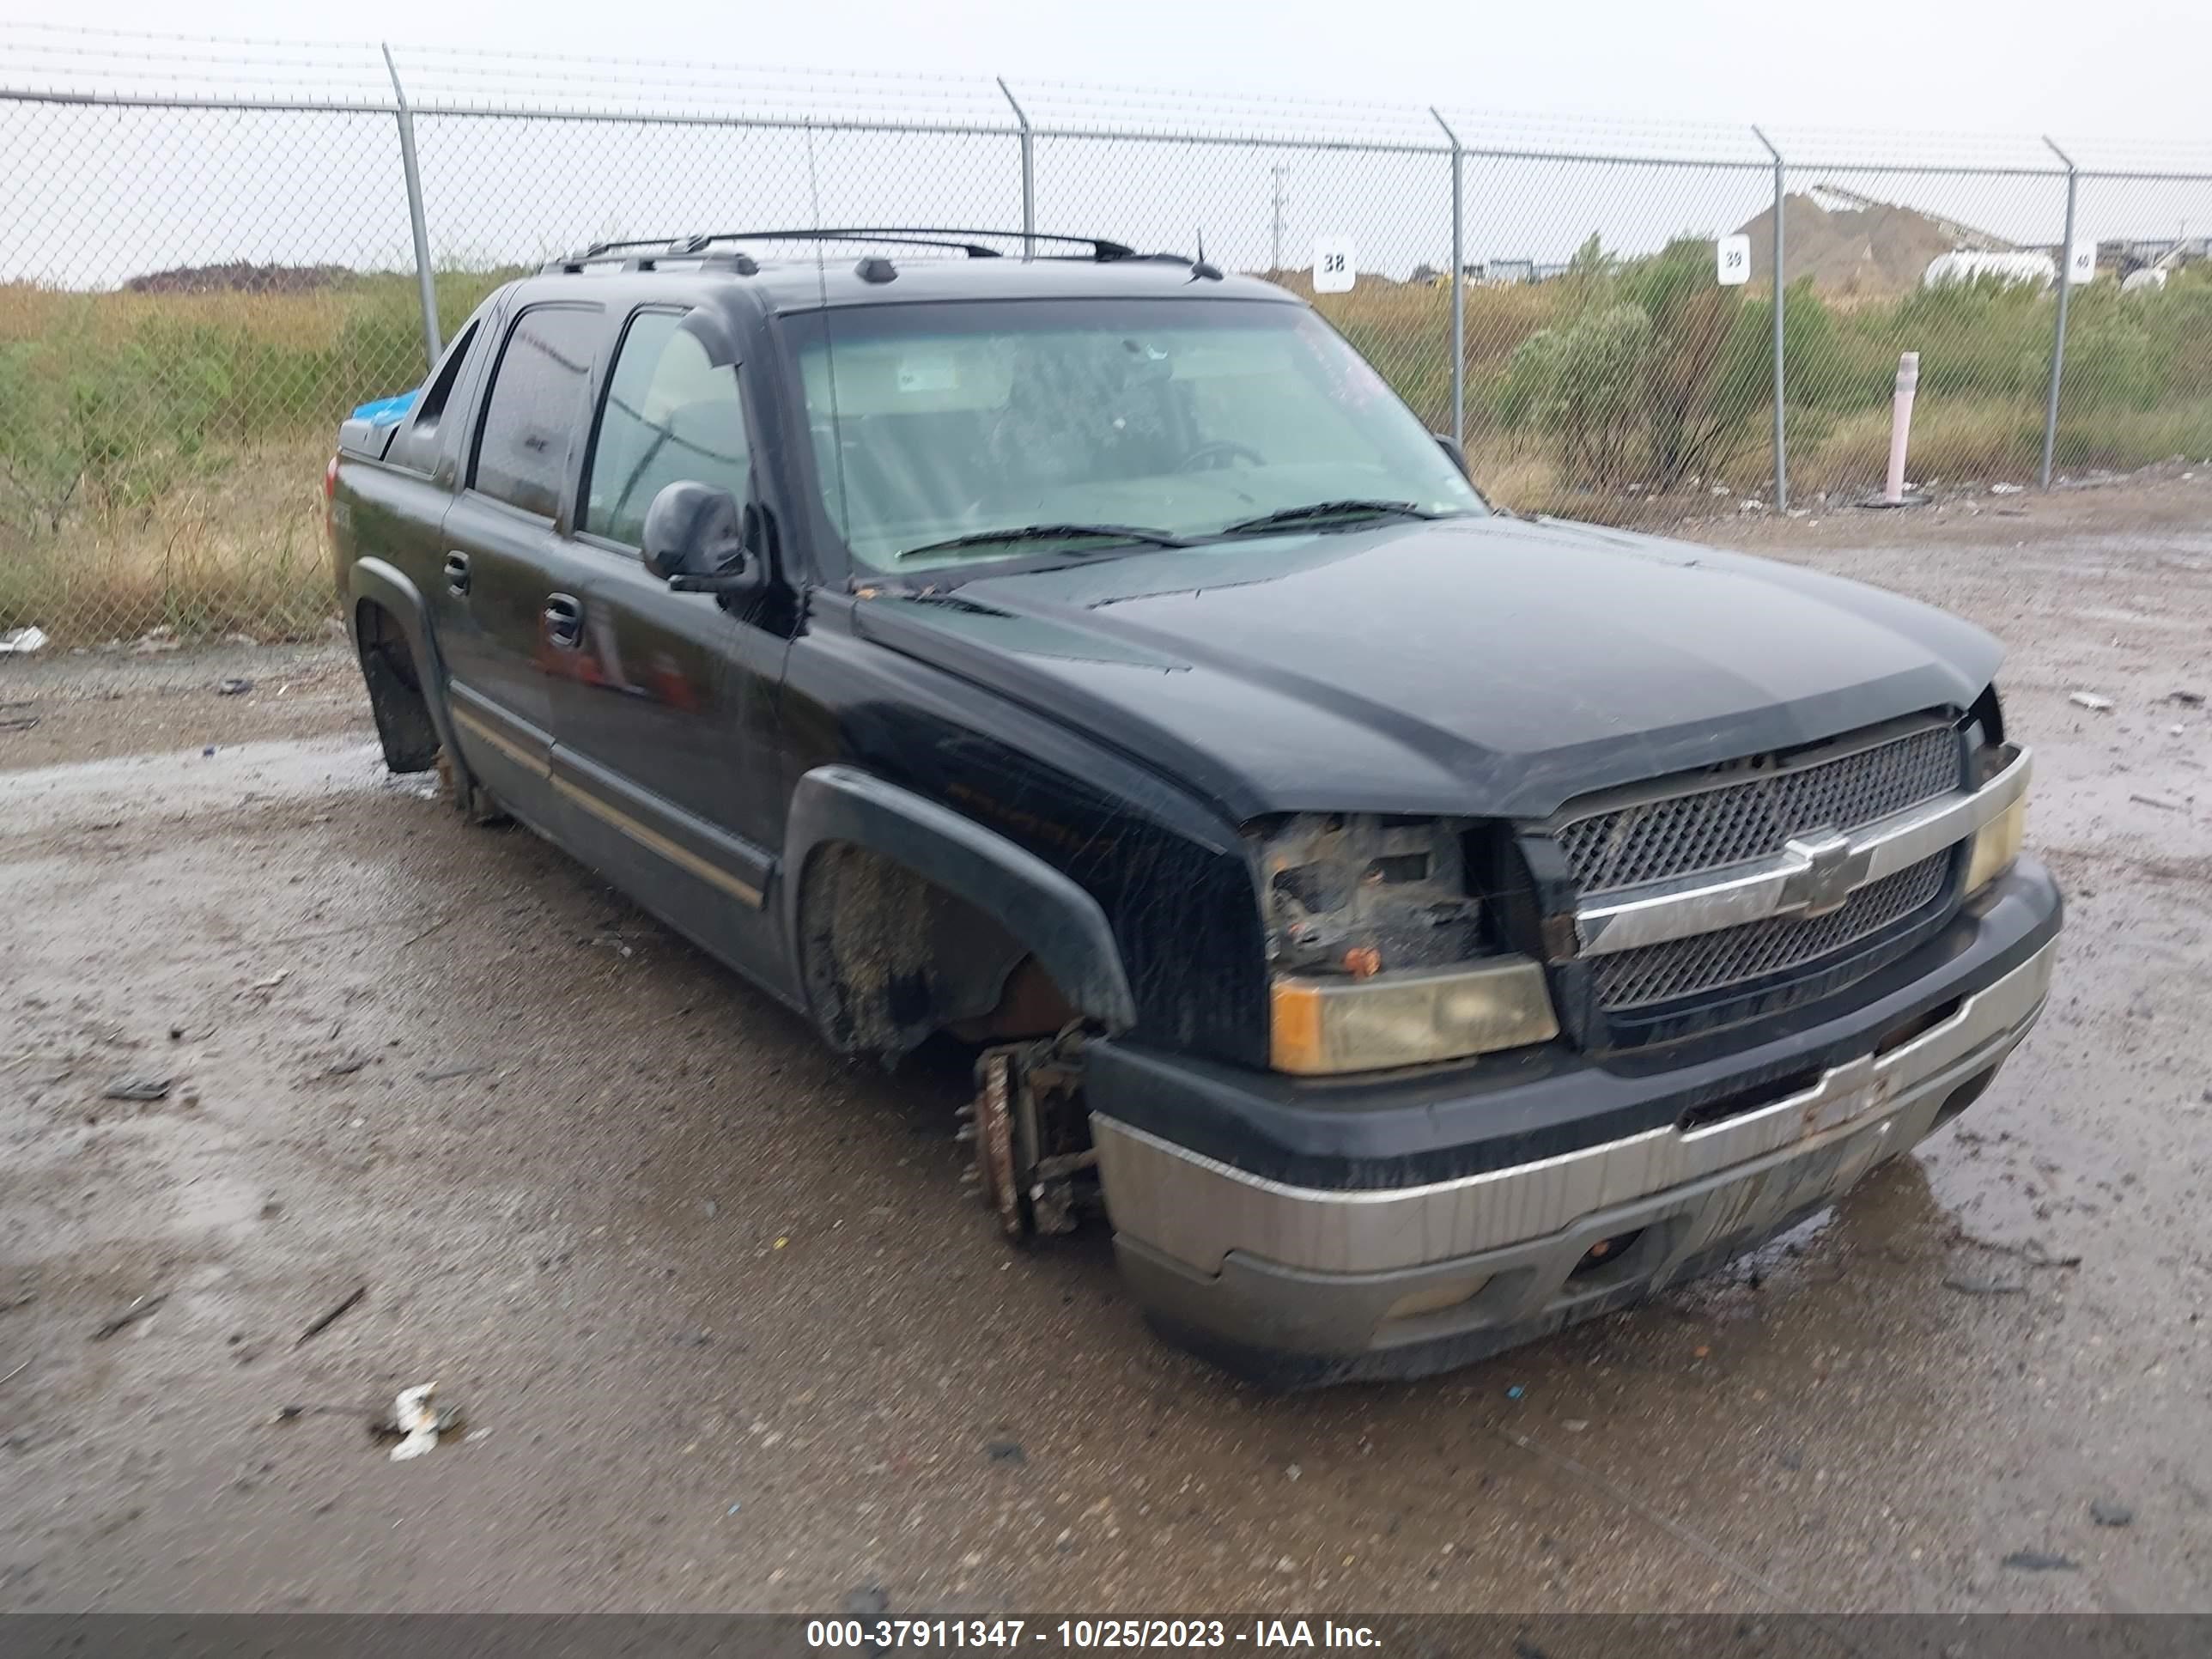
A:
694, 541
1450, 445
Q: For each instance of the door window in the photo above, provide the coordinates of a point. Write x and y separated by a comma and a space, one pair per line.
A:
672, 416
536, 402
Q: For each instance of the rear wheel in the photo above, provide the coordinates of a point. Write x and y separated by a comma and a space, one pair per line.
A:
395, 697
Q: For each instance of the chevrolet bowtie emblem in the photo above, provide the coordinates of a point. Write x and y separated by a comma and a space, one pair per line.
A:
1830, 875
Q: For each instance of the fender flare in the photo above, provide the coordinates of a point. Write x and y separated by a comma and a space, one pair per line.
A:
1041, 907
373, 581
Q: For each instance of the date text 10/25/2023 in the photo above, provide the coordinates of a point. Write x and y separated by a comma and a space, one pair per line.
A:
869, 1634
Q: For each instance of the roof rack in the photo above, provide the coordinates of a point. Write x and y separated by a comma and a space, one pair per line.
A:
644, 253
625, 255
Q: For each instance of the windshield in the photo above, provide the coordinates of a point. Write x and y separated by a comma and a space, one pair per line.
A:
950, 435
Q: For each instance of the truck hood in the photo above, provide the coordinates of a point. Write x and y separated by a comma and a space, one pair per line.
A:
1477, 667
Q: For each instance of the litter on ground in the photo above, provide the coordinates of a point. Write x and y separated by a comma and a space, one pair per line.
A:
416, 1424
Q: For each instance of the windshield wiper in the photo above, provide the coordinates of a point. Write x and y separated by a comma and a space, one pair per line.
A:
1317, 511
1122, 533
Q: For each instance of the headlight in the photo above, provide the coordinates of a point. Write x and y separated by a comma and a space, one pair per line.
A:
1996, 845
1378, 952
1322, 1026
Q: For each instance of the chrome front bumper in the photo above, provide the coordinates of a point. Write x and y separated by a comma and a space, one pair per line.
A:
1238, 1265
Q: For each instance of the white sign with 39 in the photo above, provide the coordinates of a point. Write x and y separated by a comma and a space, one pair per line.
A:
1734, 261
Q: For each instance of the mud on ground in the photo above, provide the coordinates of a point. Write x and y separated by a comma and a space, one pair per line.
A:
726, 1334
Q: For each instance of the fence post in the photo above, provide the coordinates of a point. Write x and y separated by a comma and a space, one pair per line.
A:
1458, 293
2058, 334
425, 279
1781, 446
1029, 174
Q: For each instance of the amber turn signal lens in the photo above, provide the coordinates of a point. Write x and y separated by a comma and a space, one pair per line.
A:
1325, 1026
1996, 845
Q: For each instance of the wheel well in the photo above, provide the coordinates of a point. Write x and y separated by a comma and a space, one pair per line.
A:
396, 694
887, 958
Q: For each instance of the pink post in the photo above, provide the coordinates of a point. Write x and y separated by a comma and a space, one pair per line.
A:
1901, 425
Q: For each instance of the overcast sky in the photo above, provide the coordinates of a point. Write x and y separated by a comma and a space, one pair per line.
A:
1993, 65
1844, 88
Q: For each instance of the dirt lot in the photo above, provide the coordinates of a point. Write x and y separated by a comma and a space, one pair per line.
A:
726, 1334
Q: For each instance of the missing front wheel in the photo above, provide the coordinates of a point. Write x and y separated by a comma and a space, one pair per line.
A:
1035, 1165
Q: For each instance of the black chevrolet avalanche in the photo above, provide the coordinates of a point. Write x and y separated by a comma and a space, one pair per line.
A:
1414, 927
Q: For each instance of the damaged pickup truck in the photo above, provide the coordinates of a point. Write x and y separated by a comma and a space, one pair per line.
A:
1414, 927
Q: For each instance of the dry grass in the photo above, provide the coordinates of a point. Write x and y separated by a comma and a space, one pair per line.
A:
1951, 439
1514, 473
1988, 440
241, 552
290, 322
1498, 318
160, 452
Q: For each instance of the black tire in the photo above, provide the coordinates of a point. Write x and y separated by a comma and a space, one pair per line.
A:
403, 726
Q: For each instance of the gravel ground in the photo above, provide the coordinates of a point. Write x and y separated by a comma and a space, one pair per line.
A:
727, 1334
65, 706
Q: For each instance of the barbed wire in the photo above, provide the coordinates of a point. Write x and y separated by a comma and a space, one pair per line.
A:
69, 61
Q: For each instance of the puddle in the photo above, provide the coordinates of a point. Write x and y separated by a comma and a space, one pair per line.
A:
46, 799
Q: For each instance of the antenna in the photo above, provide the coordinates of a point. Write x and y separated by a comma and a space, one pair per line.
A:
1201, 244
1275, 243
829, 333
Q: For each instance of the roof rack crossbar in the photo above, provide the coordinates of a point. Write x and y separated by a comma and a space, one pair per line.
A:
626, 255
1100, 249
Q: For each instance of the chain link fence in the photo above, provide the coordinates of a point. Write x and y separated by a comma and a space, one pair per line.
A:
212, 257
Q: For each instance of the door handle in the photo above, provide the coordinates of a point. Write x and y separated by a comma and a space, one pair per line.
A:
564, 620
457, 575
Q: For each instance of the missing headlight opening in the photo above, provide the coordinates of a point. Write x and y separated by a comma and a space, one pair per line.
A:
1361, 894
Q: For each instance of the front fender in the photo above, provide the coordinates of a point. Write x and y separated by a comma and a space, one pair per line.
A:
1052, 917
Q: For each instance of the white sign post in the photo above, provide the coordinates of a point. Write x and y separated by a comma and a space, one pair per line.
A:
1734, 261
1900, 426
1332, 272
2082, 267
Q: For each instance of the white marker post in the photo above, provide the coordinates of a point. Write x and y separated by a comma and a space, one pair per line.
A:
1900, 426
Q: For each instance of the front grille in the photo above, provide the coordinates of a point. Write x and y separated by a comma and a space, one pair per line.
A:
1711, 961
1726, 822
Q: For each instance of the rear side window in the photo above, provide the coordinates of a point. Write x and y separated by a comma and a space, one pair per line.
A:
419, 443
432, 403
672, 416
536, 402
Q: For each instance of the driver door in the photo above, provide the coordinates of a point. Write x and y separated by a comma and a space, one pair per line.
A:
666, 746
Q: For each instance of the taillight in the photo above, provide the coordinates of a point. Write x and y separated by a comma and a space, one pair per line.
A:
331, 480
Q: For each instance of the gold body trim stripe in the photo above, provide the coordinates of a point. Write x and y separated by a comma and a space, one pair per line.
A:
506, 745
682, 857
614, 816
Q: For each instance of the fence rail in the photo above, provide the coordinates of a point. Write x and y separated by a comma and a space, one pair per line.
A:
219, 246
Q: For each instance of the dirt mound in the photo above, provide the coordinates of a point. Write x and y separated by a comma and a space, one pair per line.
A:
238, 277
1881, 249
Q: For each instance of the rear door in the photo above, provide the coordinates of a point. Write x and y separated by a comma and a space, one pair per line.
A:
665, 754
398, 515
512, 584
